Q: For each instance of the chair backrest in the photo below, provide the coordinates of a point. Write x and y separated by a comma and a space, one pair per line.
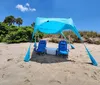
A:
42, 45
62, 45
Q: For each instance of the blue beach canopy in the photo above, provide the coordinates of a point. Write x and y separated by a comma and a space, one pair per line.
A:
56, 26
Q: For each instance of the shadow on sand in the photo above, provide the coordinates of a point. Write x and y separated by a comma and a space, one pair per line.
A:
48, 58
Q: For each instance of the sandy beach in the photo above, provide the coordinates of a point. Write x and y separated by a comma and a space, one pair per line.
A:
48, 69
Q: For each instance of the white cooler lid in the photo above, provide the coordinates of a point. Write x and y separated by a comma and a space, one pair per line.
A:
51, 51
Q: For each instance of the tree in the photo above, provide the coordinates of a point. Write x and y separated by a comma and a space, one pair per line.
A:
19, 21
33, 24
9, 19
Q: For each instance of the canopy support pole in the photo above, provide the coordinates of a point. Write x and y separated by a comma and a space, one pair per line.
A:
68, 41
27, 56
94, 62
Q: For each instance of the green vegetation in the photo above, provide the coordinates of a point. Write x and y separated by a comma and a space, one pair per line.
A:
19, 21
88, 36
9, 20
10, 33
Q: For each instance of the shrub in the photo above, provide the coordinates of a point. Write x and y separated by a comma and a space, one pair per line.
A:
14, 34
54, 40
97, 42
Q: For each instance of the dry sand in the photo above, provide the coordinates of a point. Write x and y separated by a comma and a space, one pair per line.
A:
48, 69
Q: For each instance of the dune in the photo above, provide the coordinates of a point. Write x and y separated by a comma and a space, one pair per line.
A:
48, 69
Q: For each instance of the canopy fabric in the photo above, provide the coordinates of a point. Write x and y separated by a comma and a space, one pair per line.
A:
56, 26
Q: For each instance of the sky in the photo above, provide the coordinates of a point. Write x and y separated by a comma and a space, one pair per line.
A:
85, 13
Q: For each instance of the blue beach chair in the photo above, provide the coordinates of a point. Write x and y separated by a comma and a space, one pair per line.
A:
62, 49
41, 47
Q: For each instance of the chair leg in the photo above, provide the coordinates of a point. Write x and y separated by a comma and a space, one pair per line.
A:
56, 53
65, 56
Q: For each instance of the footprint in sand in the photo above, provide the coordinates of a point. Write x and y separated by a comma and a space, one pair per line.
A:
27, 81
72, 72
54, 81
29, 66
10, 59
3, 75
21, 66
86, 74
94, 77
95, 73
17, 61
